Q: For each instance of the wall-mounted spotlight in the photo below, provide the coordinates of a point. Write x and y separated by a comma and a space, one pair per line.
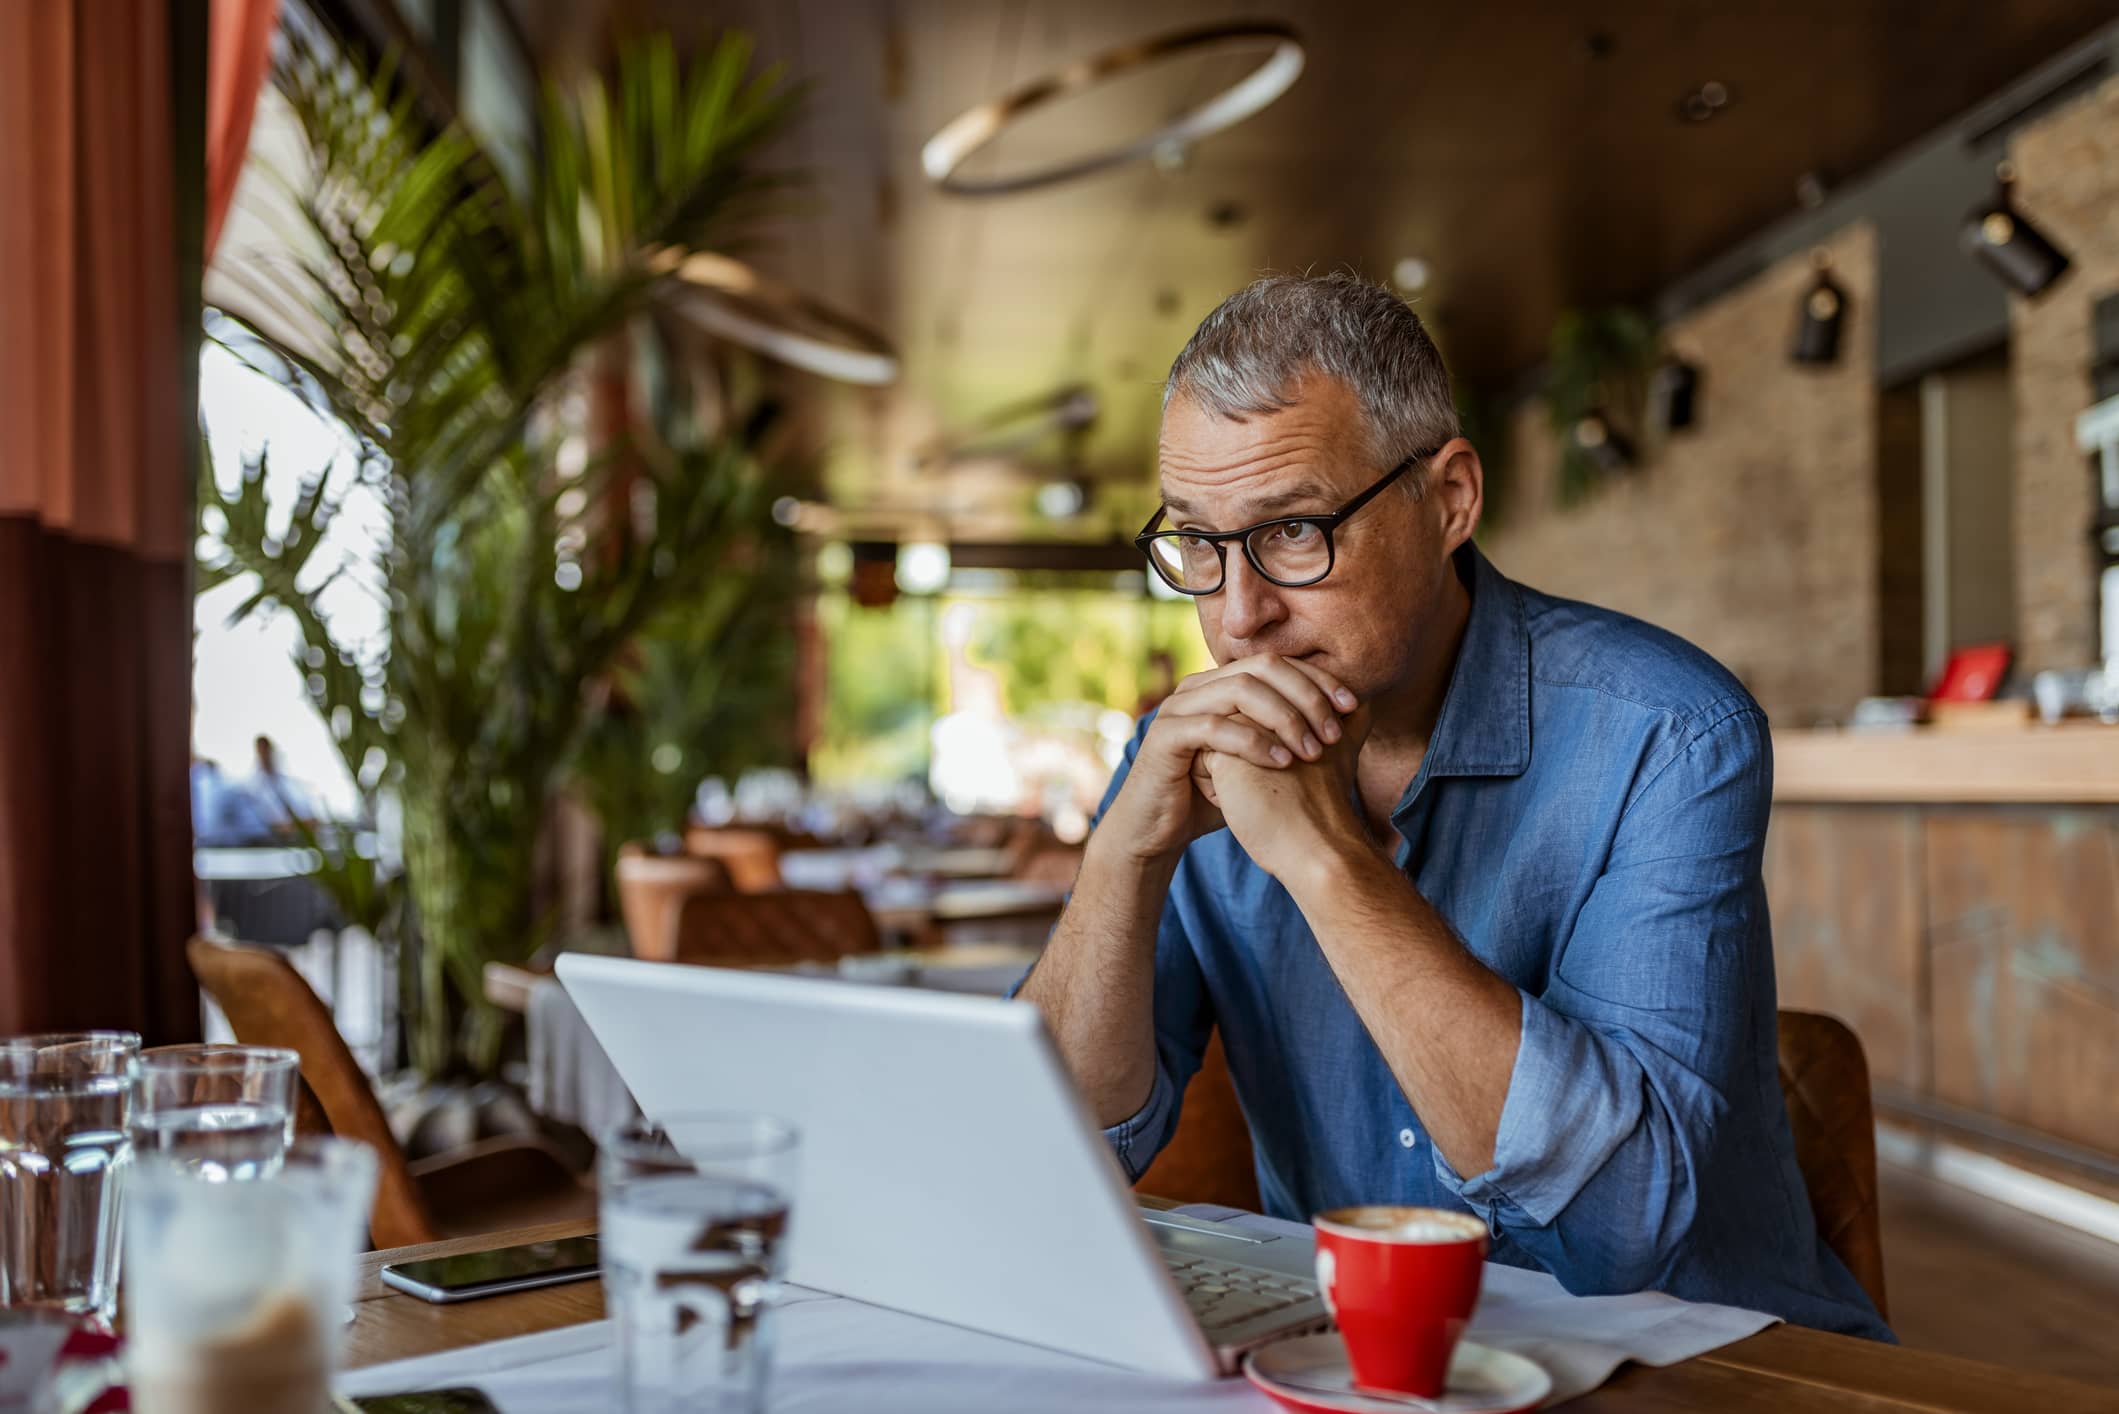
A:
2004, 240
1601, 443
873, 582
1673, 394
1823, 313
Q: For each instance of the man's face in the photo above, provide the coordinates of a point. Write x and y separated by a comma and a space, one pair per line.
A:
1359, 623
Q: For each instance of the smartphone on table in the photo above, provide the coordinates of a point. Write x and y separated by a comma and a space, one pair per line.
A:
464, 1400
471, 1275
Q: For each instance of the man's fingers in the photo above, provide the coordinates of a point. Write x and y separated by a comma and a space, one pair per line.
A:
1233, 736
1275, 696
1203, 777
1316, 696
1342, 696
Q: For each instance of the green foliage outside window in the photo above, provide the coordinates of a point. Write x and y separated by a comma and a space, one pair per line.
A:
1052, 646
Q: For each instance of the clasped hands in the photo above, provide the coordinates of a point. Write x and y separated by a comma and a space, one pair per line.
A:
1265, 746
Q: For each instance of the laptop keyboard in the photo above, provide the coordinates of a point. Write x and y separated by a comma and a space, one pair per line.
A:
1223, 1295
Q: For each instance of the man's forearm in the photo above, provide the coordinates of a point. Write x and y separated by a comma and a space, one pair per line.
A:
1446, 1025
1095, 982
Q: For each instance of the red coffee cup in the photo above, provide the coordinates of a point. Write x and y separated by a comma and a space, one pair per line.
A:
1402, 1283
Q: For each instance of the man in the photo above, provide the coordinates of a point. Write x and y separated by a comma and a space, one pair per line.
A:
280, 800
1468, 876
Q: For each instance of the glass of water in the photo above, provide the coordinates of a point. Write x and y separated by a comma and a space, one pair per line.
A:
227, 1111
694, 1217
63, 1152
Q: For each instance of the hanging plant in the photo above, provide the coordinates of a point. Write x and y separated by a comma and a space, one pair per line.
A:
1596, 393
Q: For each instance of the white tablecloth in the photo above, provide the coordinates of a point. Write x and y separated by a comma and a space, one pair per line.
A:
571, 1078
838, 1354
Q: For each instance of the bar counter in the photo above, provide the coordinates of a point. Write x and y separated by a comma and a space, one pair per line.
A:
2073, 764
1954, 896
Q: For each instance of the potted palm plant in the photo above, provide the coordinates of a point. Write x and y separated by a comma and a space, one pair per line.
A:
449, 322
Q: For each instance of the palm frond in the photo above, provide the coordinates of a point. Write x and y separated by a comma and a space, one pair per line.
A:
439, 316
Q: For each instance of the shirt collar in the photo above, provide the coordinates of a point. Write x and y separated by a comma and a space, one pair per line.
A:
1484, 726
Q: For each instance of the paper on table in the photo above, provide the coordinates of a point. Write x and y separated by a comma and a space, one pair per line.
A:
838, 1354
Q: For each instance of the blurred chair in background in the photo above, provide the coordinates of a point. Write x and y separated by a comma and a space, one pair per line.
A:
751, 857
650, 886
506, 1182
1209, 1159
785, 926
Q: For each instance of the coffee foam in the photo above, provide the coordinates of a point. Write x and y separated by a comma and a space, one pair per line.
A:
1392, 1223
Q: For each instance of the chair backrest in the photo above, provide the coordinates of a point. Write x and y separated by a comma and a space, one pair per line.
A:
1209, 1159
268, 1004
786, 925
1825, 1080
650, 886
752, 857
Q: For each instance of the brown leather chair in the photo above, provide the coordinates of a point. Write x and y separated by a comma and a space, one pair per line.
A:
1209, 1159
785, 925
650, 886
494, 1184
752, 857
1825, 1080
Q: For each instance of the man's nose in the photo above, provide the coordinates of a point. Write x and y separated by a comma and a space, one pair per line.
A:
1250, 603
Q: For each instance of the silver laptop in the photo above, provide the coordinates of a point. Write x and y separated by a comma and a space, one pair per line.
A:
948, 1167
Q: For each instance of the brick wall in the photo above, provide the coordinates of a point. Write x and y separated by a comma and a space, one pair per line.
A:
1753, 533
2067, 167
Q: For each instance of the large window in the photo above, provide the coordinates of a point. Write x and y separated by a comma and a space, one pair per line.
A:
249, 677
1004, 694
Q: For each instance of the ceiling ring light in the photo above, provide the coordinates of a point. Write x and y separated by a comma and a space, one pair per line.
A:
946, 152
737, 303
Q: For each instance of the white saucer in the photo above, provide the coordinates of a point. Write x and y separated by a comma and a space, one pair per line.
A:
1310, 1374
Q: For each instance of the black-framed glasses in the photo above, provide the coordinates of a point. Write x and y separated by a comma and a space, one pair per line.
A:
1290, 551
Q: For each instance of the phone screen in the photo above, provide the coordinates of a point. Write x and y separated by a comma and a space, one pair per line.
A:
431, 1401
476, 1269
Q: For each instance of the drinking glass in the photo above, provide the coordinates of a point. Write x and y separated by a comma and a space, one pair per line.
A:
63, 1153
227, 1111
694, 1233
234, 1291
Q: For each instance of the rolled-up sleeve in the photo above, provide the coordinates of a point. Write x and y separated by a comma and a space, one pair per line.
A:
1182, 1019
1648, 1027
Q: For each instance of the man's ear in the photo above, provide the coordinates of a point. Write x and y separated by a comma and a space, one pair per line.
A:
1456, 491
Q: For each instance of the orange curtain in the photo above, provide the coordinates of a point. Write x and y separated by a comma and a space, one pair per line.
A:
95, 517
238, 53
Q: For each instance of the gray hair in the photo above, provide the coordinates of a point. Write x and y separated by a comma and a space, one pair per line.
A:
1248, 356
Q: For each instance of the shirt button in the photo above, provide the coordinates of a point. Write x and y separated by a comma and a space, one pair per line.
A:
1408, 1138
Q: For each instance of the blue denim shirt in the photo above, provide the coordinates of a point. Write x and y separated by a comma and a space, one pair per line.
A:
1589, 817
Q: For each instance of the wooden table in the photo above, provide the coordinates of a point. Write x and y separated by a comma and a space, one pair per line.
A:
1780, 1369
970, 901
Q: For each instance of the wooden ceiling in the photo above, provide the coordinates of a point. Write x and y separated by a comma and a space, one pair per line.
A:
1532, 154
